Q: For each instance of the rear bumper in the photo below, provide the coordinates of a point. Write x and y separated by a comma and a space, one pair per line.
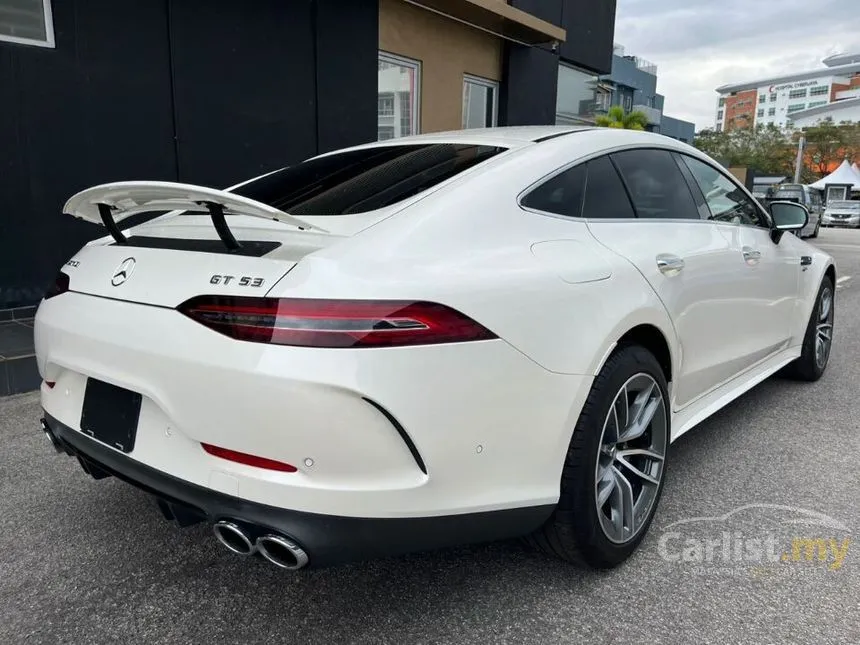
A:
403, 432
327, 539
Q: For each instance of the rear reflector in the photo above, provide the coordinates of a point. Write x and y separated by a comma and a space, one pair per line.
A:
248, 460
61, 285
334, 323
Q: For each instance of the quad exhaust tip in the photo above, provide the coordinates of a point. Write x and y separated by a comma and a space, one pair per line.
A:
277, 549
234, 538
282, 551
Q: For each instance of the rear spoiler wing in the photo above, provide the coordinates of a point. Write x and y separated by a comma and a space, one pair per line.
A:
109, 204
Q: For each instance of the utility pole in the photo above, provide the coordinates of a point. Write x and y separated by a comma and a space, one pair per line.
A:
798, 164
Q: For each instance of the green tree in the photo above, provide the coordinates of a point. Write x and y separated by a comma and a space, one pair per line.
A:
765, 148
616, 118
828, 143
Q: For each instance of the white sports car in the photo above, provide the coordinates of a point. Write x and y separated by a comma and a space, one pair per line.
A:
427, 341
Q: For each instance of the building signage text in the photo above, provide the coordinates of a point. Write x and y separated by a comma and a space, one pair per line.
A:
791, 86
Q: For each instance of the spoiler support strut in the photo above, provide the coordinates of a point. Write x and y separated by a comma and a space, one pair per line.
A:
110, 224
216, 212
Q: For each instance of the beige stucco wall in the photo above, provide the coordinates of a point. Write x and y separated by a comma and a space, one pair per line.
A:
447, 49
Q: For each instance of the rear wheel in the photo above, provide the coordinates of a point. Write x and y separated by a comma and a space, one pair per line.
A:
818, 339
615, 466
817, 228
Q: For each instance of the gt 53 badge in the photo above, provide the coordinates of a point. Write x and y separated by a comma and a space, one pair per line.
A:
242, 280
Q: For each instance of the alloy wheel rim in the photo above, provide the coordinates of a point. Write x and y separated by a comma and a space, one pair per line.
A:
824, 328
631, 458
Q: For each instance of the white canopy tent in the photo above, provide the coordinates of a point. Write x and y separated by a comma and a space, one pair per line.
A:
845, 174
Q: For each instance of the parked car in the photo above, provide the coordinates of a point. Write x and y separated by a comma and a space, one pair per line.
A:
842, 213
808, 197
421, 342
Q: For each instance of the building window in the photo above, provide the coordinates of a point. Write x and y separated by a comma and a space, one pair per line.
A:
27, 22
771, 111
817, 104
602, 100
761, 112
819, 90
797, 107
797, 94
773, 97
398, 96
385, 104
762, 98
720, 115
577, 92
480, 102
719, 127
722, 101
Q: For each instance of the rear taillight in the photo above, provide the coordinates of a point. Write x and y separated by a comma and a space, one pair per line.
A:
248, 460
334, 323
61, 285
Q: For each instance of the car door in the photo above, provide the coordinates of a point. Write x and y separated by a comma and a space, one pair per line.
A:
656, 224
766, 273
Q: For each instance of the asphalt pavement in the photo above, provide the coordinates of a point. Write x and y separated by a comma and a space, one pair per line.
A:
85, 561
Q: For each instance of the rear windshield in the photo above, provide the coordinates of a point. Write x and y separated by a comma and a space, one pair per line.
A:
363, 180
845, 205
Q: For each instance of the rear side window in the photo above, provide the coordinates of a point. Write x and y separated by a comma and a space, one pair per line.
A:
656, 185
363, 180
605, 196
561, 195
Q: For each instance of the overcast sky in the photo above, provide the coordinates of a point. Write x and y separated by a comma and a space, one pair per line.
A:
699, 45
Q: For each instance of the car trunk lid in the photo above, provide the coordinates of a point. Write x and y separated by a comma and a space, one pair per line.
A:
219, 243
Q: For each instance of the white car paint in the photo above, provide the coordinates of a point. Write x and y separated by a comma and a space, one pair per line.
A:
491, 419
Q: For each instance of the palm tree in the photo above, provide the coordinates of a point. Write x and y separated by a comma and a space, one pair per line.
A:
616, 118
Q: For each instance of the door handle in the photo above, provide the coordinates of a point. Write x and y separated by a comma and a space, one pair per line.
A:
751, 255
669, 264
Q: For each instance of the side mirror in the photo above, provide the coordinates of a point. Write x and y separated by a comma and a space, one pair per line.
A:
787, 216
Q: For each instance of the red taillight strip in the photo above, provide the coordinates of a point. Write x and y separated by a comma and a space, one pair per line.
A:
248, 460
59, 286
334, 323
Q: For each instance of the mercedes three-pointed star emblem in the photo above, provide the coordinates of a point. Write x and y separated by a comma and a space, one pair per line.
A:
123, 271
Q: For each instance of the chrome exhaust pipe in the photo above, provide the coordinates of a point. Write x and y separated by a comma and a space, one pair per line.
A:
51, 437
282, 551
234, 538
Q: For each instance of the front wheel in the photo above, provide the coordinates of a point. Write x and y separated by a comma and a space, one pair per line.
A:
615, 467
818, 339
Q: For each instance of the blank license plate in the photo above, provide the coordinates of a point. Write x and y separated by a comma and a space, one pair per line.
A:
110, 414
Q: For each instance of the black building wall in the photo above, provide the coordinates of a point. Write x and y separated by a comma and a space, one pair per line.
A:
209, 92
528, 94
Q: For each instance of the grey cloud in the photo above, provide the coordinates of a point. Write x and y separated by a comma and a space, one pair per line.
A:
701, 47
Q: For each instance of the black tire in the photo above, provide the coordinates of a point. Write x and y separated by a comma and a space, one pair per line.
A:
817, 228
807, 367
573, 533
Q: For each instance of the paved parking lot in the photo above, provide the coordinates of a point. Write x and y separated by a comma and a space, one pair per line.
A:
92, 562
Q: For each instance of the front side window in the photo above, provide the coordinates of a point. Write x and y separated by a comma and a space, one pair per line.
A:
656, 185
480, 102
357, 181
726, 201
27, 22
398, 96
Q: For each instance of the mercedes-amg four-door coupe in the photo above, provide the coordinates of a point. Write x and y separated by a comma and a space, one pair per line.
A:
429, 341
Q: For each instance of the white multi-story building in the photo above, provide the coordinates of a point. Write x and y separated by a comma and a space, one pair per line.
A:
776, 100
